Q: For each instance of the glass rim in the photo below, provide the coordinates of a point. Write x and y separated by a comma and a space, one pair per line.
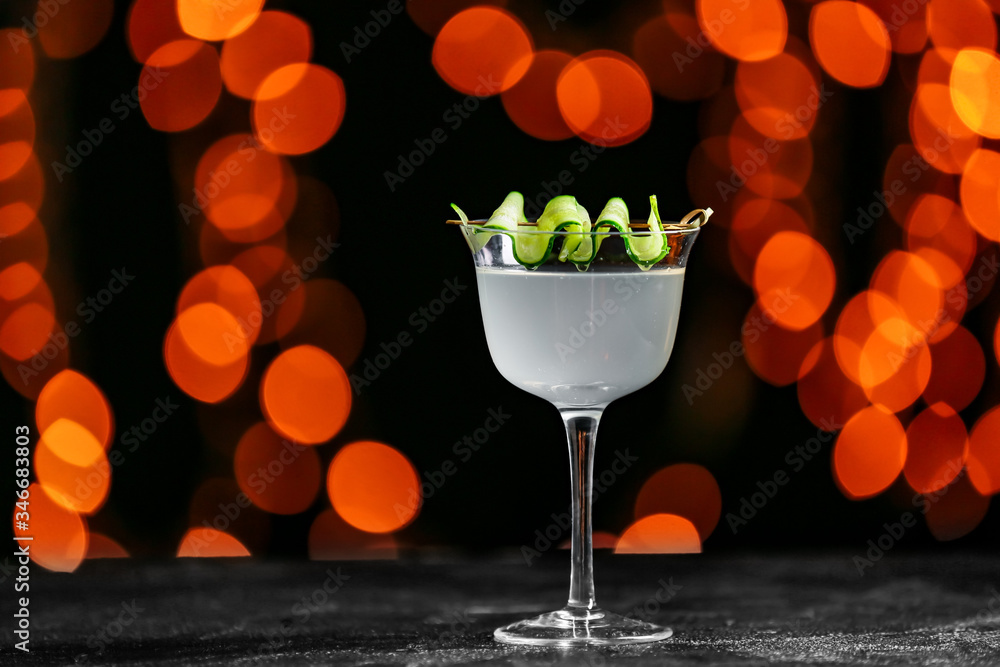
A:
669, 229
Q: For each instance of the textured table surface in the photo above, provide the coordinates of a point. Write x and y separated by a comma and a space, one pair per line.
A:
740, 609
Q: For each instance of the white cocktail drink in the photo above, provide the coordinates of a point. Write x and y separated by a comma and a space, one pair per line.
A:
580, 338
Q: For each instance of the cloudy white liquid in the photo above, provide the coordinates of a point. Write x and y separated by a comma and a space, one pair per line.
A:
579, 339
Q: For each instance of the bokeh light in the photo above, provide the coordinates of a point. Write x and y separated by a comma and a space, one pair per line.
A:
197, 377
74, 27
660, 534
869, 453
59, 535
73, 396
979, 187
850, 42
213, 334
305, 394
208, 20
332, 538
956, 511
909, 28
179, 85
298, 108
482, 51
827, 396
677, 70
150, 25
374, 487
227, 287
936, 446
794, 279
983, 462
774, 353
958, 369
683, 489
431, 16
72, 467
779, 97
754, 222
274, 40
751, 31
974, 90
332, 319
278, 476
956, 24
531, 103
605, 98
210, 543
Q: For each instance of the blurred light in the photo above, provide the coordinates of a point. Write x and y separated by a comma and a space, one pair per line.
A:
850, 42
531, 103
332, 320
916, 290
14, 217
72, 467
482, 51
907, 176
220, 504
956, 511
679, 66
298, 108
274, 40
974, 90
180, 85
245, 191
979, 187
30, 246
17, 138
18, 280
983, 462
17, 65
374, 487
208, 20
855, 325
25, 330
278, 285
938, 222
754, 222
73, 28
660, 534
869, 453
779, 96
332, 538
936, 448
306, 395
60, 536
151, 24
26, 187
213, 334
956, 24
683, 489
73, 396
605, 98
894, 371
29, 376
827, 396
215, 248
781, 173
102, 546
938, 132
431, 16
794, 279
751, 32
225, 286
958, 370
908, 28
197, 377
278, 476
774, 353
210, 543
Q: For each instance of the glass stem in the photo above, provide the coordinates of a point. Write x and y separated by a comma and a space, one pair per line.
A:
581, 432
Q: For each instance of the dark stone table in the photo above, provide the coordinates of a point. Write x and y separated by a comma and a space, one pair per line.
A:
428, 610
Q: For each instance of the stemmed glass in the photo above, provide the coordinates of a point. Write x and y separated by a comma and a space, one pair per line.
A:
580, 337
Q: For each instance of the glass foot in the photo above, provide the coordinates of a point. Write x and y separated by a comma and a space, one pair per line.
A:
580, 627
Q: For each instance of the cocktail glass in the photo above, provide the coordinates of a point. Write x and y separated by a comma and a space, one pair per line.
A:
581, 339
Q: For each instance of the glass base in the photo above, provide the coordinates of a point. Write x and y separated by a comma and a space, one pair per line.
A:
580, 627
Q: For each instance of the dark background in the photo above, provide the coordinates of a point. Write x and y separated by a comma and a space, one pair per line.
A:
120, 209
